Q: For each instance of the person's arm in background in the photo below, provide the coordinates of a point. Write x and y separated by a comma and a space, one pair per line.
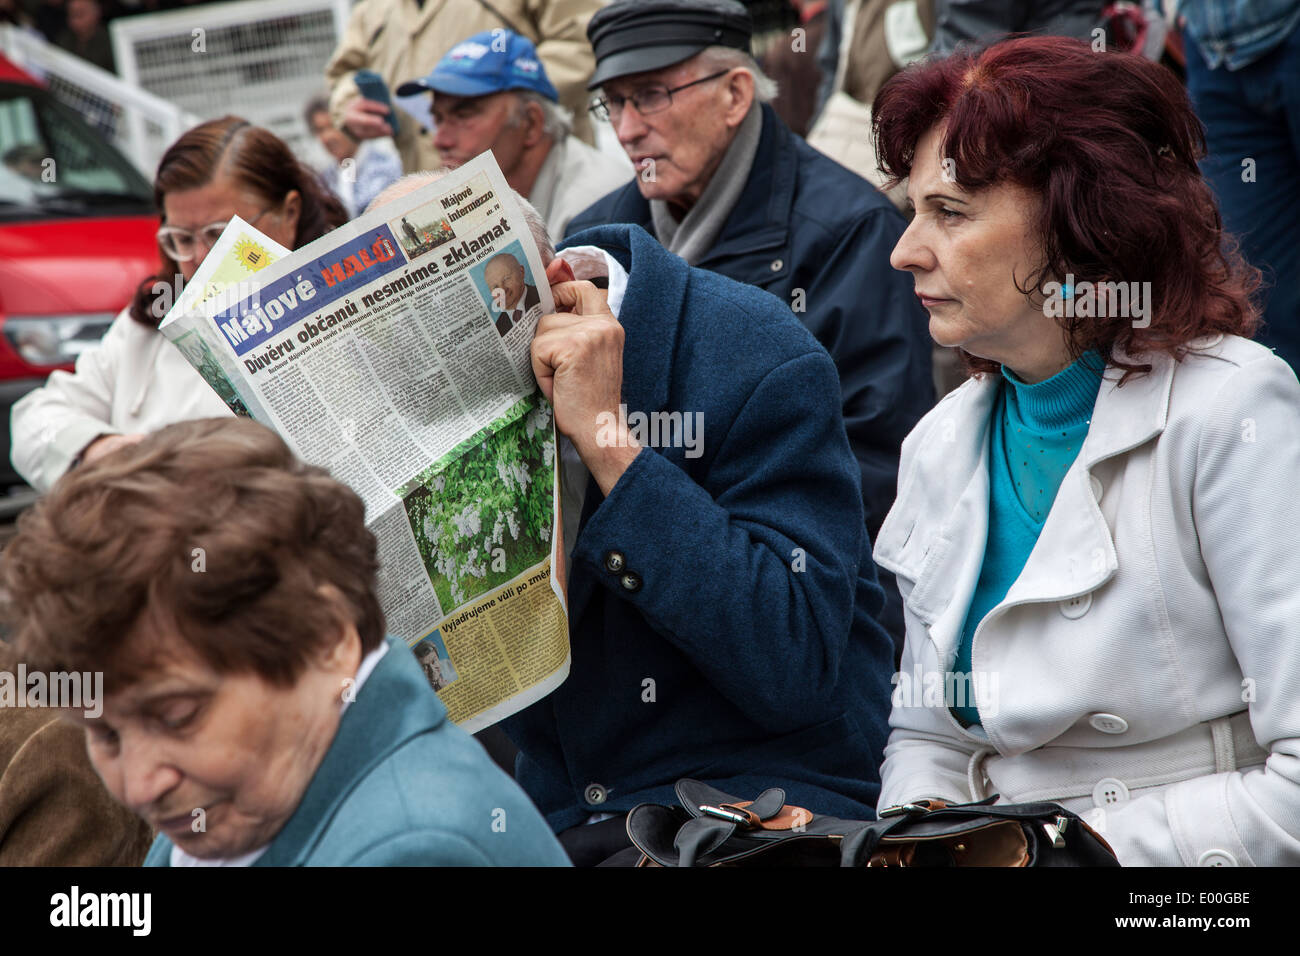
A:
349, 111
828, 55
53, 424
563, 48
352, 54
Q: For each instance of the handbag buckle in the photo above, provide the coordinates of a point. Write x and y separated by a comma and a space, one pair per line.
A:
724, 814
1056, 831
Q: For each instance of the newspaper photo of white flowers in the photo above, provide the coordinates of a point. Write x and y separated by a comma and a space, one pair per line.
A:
482, 514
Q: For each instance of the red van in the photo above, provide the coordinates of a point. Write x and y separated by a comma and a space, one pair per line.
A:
76, 237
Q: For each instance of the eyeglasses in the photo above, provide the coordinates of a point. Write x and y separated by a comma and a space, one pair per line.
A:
179, 243
648, 99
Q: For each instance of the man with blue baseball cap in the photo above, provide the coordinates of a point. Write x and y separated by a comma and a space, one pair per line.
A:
399, 39
491, 92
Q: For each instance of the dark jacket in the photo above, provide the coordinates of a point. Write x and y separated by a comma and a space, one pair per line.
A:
401, 785
984, 21
721, 607
818, 237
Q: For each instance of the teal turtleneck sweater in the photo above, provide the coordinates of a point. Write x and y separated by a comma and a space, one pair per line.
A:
1035, 437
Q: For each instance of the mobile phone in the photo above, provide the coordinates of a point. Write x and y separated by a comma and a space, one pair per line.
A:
372, 87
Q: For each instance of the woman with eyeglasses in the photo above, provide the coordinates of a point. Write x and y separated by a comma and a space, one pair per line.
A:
135, 382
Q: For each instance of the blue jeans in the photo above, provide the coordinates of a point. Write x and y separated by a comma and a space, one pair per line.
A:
1254, 113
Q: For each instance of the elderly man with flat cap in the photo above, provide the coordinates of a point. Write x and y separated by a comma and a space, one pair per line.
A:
723, 183
491, 92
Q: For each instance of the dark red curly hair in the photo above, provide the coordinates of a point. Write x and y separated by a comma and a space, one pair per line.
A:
1110, 143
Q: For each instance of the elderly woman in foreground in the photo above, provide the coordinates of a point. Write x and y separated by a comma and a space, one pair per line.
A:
1092, 536
254, 711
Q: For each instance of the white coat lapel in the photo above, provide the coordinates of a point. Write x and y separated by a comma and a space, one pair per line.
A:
1129, 416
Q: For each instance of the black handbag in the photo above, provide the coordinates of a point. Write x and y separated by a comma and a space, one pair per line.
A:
712, 828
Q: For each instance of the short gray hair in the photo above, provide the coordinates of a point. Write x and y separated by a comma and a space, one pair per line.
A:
413, 181
715, 58
557, 122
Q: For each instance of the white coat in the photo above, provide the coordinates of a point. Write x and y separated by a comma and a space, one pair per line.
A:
1161, 599
133, 381
572, 177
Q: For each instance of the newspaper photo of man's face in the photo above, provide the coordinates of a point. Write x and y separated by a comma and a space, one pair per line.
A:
507, 288
505, 277
435, 663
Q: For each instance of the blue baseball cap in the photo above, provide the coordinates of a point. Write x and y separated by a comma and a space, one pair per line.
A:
488, 62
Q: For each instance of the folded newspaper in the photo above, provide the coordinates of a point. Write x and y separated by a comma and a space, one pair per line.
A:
394, 351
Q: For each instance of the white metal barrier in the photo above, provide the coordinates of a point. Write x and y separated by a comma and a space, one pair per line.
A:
259, 59
140, 124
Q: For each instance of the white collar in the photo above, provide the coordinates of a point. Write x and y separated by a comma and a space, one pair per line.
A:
614, 270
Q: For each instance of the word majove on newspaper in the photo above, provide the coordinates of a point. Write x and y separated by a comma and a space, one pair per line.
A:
395, 352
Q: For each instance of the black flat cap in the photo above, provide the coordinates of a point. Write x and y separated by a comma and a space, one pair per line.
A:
633, 36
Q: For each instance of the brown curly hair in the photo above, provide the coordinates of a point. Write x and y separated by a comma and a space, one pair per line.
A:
208, 530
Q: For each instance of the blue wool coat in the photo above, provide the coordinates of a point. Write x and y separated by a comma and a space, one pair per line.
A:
818, 237
401, 785
754, 614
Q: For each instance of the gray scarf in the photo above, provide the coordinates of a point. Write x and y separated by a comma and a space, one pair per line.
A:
694, 235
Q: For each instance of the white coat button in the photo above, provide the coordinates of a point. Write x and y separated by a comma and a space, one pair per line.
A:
777, 265
1108, 723
1109, 793
1076, 607
595, 794
1217, 858
1096, 486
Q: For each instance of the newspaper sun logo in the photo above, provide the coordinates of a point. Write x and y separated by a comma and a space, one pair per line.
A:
252, 255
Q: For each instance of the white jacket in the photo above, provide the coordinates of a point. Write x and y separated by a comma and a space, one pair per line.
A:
133, 381
1162, 598
573, 176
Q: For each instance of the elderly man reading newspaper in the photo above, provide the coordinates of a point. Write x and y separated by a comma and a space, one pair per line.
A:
721, 596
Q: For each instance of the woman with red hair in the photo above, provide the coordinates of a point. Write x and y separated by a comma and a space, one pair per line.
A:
1088, 536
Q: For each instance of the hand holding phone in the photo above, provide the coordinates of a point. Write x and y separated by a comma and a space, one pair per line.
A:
372, 86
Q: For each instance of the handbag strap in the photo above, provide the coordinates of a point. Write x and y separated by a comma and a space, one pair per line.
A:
862, 843
699, 836
713, 824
